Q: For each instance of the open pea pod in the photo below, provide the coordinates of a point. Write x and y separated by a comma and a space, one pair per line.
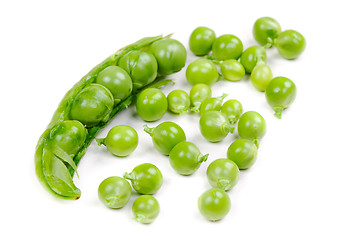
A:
54, 166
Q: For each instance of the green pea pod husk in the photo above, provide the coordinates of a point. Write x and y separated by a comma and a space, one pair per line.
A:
54, 167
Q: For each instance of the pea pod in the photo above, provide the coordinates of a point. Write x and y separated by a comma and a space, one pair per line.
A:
55, 164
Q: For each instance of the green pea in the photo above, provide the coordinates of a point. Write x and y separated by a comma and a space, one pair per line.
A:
201, 40
252, 126
214, 204
121, 140
114, 192
243, 152
232, 70
223, 173
117, 80
212, 104
170, 55
198, 94
265, 30
145, 178
226, 47
280, 94
185, 158
261, 76
141, 66
214, 126
145, 209
202, 71
232, 109
165, 136
290, 44
92, 105
151, 104
251, 56
69, 135
178, 102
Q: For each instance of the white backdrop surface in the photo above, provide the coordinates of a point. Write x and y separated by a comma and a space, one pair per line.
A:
290, 193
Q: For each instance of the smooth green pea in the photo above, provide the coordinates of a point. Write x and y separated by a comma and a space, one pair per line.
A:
265, 30
214, 126
202, 71
178, 102
69, 135
165, 136
261, 76
223, 173
201, 40
232, 70
290, 44
92, 105
280, 94
141, 66
251, 56
121, 140
199, 93
243, 152
214, 204
145, 178
114, 192
212, 104
151, 104
252, 126
117, 80
145, 209
226, 47
170, 55
185, 158
232, 109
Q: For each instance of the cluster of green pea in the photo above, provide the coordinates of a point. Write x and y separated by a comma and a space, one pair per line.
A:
226, 51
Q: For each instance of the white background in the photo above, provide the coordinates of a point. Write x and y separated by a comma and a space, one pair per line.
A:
290, 193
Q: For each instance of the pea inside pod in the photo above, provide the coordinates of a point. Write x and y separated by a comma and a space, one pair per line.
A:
92, 105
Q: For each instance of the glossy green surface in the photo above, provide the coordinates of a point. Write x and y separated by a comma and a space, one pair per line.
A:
232, 109
265, 30
214, 126
212, 104
185, 158
232, 70
145, 209
280, 94
121, 140
251, 56
290, 44
165, 136
199, 93
261, 76
226, 47
170, 55
201, 40
243, 152
68, 135
141, 66
202, 71
214, 204
145, 178
223, 173
117, 80
252, 126
151, 104
178, 102
114, 192
92, 105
